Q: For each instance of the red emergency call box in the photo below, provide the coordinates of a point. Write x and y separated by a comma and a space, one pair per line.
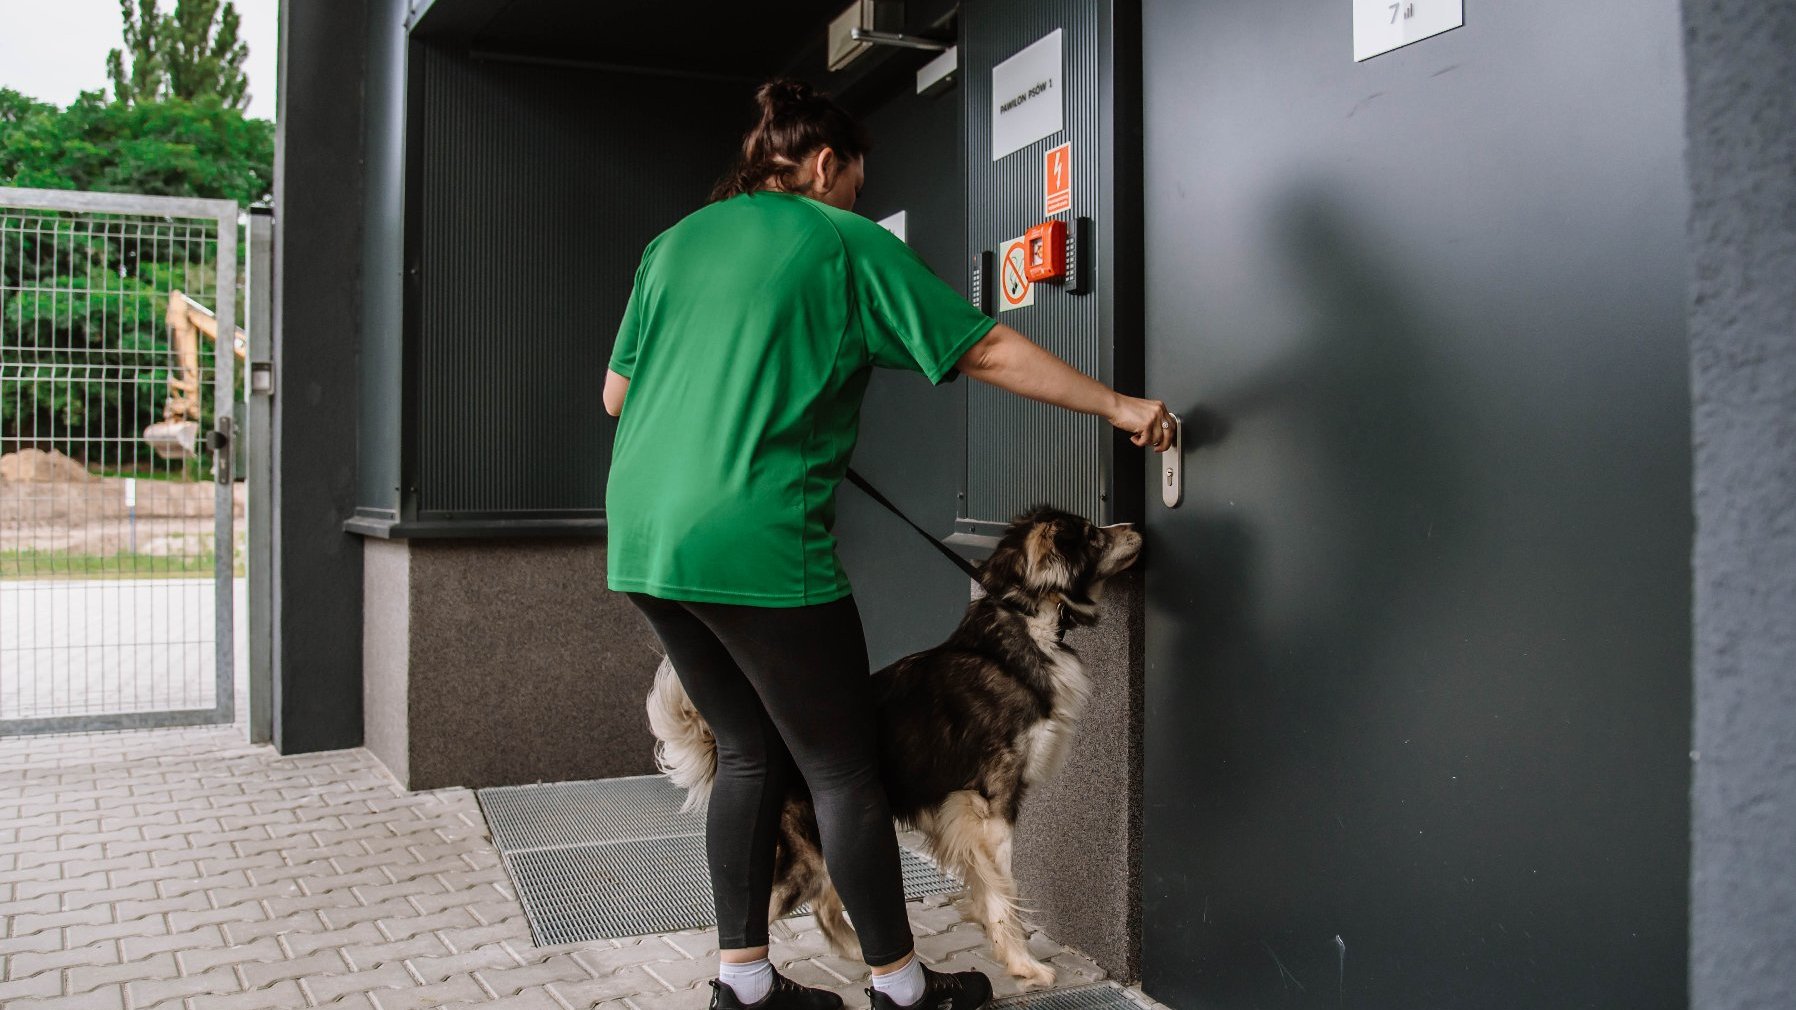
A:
1044, 248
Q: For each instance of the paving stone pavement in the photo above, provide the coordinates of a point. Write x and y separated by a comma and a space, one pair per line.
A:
186, 869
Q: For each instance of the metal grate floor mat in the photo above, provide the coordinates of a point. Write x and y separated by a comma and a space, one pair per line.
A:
595, 892
1099, 996
612, 858
582, 813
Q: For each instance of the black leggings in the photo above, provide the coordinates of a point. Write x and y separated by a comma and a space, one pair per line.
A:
786, 689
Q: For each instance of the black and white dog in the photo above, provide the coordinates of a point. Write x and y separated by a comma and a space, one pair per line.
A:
965, 728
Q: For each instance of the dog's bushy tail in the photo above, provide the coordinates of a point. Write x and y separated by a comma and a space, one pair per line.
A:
685, 750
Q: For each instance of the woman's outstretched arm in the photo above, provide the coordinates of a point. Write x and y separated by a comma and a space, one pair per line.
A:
1007, 359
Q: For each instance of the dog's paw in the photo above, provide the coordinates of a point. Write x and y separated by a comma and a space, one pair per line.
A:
1030, 972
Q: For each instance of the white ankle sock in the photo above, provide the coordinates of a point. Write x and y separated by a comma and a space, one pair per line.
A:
904, 986
750, 979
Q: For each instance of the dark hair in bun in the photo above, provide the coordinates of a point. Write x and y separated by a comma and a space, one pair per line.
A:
795, 121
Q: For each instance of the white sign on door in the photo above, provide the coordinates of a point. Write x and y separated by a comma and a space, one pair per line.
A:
1380, 26
1027, 104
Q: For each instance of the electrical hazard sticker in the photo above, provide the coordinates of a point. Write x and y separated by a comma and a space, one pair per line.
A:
1057, 179
1014, 287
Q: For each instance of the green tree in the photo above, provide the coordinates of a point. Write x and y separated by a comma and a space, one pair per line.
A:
173, 147
202, 61
144, 82
94, 313
14, 108
193, 53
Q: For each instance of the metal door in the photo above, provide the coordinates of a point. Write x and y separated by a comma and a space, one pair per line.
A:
118, 578
1417, 712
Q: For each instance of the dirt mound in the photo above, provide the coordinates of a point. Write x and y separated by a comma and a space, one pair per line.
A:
39, 467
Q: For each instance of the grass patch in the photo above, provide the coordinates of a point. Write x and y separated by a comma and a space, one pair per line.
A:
35, 564
176, 475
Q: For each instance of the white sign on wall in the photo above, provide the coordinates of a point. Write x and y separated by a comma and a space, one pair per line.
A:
1027, 104
895, 224
1380, 26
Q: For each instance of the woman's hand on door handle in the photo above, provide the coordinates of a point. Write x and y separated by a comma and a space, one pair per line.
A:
1147, 422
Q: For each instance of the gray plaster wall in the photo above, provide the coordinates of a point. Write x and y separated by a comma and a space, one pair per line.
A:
504, 662
1077, 852
318, 185
1740, 58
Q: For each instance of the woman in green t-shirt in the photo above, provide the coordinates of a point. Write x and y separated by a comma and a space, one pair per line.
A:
744, 351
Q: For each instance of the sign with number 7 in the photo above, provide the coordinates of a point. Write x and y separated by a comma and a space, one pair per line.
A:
1380, 26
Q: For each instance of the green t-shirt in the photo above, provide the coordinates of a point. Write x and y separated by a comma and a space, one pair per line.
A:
748, 341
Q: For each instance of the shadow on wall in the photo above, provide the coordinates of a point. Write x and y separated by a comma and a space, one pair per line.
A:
1281, 650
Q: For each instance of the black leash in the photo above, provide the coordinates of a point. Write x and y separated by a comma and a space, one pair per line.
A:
959, 562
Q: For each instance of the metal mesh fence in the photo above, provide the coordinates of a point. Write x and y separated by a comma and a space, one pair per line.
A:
108, 548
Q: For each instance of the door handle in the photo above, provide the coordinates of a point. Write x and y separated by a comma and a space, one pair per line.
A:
220, 440
1172, 466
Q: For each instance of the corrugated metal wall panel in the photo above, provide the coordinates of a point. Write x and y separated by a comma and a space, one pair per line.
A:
1020, 452
539, 188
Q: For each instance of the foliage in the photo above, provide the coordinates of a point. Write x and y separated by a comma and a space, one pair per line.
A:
87, 350
174, 147
86, 344
146, 78
193, 53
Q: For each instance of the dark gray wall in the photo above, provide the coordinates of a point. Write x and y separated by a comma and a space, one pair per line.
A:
536, 190
909, 596
1418, 642
317, 297
383, 257
1021, 452
1740, 56
1077, 856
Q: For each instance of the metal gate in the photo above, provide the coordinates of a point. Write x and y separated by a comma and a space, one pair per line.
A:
118, 579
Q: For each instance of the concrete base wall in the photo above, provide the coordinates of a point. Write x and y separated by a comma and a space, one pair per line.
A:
386, 653
1077, 854
494, 662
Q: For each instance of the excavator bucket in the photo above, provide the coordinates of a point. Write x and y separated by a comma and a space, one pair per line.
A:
173, 439
177, 434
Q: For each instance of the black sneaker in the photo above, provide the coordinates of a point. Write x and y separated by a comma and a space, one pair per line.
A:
962, 990
785, 995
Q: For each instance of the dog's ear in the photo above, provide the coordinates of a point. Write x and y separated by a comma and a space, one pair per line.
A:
1049, 565
1038, 548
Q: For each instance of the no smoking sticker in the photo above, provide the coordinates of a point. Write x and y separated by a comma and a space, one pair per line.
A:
1014, 289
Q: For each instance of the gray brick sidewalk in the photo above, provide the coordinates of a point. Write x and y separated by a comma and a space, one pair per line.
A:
189, 870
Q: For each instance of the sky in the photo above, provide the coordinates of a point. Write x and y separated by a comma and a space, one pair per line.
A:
52, 50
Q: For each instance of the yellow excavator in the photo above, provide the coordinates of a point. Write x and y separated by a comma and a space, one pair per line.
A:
175, 436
